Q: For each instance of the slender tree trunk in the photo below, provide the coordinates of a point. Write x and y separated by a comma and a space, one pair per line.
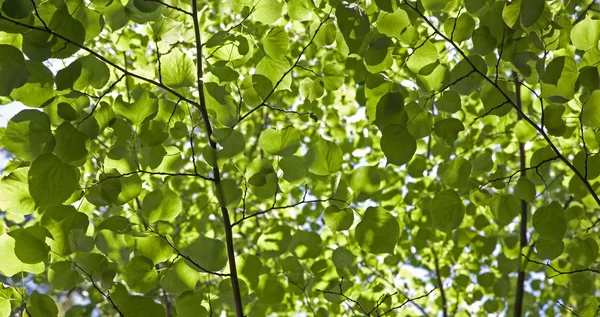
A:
518, 311
235, 286
440, 284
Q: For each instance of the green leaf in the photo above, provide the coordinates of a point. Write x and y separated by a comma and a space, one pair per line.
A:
483, 163
456, 173
583, 252
420, 121
179, 278
178, 70
276, 42
94, 73
17, 9
333, 76
5, 308
365, 182
424, 56
461, 28
141, 16
324, 158
146, 6
504, 208
131, 187
27, 134
153, 133
66, 77
130, 305
327, 34
483, 41
262, 178
267, 11
15, 196
294, 168
39, 89
300, 10
510, 13
115, 15
64, 24
232, 141
550, 222
116, 224
105, 193
231, 193
274, 241
524, 131
338, 219
209, 253
140, 275
558, 82
397, 144
143, 107
590, 114
80, 242
60, 221
448, 130
306, 245
353, 23
161, 204
283, 142
434, 5
41, 305
63, 276
447, 210
270, 290
189, 305
13, 72
525, 189
345, 262
51, 181
389, 110
10, 264
378, 231
465, 77
30, 244
549, 249
312, 89
249, 267
293, 270
393, 24
274, 69
71, 144
586, 34
531, 11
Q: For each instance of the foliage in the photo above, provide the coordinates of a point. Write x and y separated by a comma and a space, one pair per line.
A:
269, 157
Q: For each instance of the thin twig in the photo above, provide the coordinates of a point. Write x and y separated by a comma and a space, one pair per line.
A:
264, 102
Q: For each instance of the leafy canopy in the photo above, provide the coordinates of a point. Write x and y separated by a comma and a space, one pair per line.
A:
326, 157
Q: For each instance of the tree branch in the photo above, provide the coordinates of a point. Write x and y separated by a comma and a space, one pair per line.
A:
103, 59
303, 201
557, 271
539, 129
